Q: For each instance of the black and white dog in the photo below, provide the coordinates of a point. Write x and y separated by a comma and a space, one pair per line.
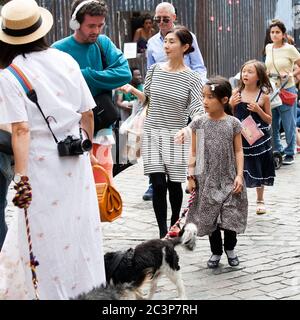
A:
127, 271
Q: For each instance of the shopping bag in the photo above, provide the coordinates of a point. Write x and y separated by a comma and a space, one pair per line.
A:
275, 99
109, 199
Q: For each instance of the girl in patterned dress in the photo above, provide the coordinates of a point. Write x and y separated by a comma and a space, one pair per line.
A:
216, 173
251, 98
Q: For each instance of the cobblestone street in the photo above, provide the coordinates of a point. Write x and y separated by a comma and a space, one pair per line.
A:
268, 251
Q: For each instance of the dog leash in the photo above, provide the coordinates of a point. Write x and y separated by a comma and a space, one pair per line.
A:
21, 187
22, 200
173, 232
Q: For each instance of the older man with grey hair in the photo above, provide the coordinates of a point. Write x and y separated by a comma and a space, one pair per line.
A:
165, 16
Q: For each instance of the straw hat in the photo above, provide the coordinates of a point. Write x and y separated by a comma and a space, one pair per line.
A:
23, 21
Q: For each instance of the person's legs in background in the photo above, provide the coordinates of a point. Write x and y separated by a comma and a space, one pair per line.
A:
104, 156
159, 201
4, 183
175, 198
149, 192
298, 139
298, 117
289, 126
298, 129
276, 130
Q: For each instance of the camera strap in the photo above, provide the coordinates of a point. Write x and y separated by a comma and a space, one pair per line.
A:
30, 92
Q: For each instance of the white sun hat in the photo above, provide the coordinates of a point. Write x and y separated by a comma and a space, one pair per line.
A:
23, 21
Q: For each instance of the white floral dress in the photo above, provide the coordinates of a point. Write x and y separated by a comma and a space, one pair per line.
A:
63, 216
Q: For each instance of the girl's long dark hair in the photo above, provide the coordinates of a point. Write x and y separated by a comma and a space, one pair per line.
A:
221, 88
8, 51
267, 41
263, 80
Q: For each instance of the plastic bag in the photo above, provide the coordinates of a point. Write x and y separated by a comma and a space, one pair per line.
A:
136, 109
134, 128
275, 99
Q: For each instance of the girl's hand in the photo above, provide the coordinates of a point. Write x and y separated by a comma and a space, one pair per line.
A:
182, 135
235, 99
127, 88
254, 107
191, 186
238, 185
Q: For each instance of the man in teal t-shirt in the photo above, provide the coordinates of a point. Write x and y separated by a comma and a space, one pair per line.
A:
88, 21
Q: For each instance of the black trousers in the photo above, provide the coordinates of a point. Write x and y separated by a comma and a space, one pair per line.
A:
215, 240
161, 184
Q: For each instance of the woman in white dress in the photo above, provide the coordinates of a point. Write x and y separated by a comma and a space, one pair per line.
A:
63, 215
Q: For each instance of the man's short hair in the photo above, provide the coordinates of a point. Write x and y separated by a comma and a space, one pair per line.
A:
95, 8
168, 6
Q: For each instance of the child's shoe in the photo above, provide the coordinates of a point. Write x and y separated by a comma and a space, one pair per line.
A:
232, 258
213, 261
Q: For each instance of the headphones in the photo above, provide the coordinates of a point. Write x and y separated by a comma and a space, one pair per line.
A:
74, 24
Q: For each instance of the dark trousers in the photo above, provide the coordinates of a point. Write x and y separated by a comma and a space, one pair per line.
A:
4, 183
215, 240
161, 184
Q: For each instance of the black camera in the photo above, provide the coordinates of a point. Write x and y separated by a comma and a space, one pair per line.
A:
73, 146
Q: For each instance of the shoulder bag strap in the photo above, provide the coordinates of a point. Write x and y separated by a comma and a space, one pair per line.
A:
30, 92
259, 95
152, 74
273, 60
147, 102
103, 57
257, 98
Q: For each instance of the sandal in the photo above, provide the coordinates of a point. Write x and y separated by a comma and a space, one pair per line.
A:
260, 207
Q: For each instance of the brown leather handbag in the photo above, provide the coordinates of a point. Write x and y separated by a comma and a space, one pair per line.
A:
109, 199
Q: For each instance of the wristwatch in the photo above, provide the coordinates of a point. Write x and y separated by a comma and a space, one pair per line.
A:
18, 177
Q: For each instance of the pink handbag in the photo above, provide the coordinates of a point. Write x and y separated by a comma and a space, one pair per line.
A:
250, 131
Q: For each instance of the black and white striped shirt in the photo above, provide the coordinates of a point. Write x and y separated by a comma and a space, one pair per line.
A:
174, 97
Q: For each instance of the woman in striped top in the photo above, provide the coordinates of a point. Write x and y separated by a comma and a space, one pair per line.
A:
174, 93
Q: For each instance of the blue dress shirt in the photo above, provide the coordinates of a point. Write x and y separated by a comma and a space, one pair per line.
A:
155, 54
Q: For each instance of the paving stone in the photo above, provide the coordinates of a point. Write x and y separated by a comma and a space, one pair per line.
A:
248, 294
268, 250
285, 293
272, 287
270, 280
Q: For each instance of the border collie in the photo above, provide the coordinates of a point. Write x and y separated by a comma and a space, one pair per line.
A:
128, 271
